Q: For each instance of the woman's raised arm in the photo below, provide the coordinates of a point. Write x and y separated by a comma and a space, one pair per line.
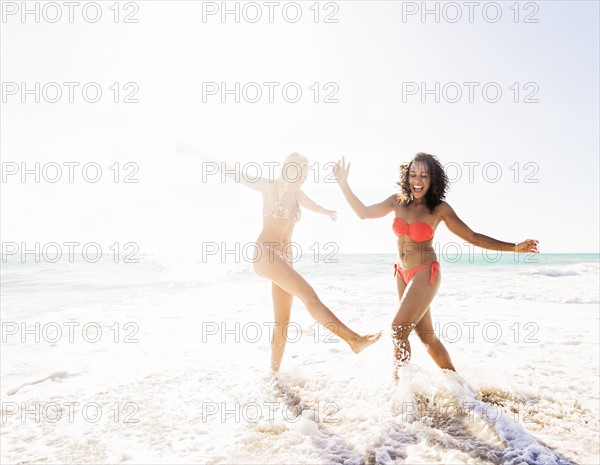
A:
340, 171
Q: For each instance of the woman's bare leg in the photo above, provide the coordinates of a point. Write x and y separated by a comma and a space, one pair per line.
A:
415, 301
277, 270
282, 306
401, 285
433, 345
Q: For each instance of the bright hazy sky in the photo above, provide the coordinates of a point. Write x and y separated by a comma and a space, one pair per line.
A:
369, 53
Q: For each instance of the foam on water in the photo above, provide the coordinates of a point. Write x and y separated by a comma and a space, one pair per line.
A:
526, 392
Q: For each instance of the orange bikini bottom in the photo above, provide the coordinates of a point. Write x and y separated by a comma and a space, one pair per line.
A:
407, 275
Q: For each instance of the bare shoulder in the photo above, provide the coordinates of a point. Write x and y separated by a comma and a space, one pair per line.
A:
392, 200
443, 209
301, 196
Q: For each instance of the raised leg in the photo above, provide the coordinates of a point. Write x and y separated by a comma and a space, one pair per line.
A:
277, 270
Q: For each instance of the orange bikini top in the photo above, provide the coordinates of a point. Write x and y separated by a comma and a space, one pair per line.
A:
417, 231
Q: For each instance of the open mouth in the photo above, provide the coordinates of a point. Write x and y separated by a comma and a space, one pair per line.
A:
418, 188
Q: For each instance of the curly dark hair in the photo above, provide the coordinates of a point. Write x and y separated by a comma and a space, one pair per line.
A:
439, 181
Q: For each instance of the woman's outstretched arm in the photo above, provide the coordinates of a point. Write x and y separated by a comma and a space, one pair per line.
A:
310, 204
256, 183
340, 171
458, 227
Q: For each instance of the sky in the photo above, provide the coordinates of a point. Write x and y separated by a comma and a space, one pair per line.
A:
524, 163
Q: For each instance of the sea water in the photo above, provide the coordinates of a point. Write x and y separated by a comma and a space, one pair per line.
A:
167, 361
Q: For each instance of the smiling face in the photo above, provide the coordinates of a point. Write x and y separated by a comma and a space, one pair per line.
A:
423, 180
419, 179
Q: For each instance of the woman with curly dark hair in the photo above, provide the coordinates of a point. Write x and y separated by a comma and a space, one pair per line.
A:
419, 207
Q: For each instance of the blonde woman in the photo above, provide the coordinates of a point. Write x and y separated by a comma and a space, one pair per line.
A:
282, 200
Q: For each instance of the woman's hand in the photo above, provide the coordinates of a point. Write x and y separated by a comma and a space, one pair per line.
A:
341, 170
183, 148
528, 246
331, 214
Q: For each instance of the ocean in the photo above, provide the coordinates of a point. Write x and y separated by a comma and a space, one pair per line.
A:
167, 361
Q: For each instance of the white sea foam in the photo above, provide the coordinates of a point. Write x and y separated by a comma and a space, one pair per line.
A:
198, 384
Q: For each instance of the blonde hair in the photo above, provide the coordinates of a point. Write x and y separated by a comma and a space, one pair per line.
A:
294, 166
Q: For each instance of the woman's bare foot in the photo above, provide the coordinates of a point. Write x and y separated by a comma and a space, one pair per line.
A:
364, 341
